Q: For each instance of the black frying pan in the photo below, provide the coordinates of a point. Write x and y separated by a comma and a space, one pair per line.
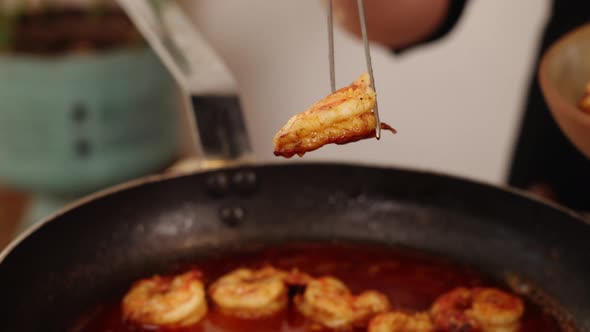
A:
99, 246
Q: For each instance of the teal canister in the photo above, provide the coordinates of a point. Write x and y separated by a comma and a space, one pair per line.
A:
73, 124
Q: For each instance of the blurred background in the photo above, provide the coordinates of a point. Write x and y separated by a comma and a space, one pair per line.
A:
85, 104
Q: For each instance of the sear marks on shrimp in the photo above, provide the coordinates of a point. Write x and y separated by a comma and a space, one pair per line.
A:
342, 117
477, 309
328, 303
584, 102
251, 294
401, 322
169, 301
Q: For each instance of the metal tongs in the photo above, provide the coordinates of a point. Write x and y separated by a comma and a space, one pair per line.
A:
361, 8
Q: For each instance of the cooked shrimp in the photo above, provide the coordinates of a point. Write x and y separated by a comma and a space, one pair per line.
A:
367, 304
170, 301
329, 303
584, 102
401, 322
477, 309
249, 294
342, 117
497, 311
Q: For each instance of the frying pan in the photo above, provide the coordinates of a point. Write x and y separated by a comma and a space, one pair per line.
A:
96, 247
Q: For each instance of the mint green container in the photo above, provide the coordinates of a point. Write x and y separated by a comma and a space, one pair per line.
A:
75, 124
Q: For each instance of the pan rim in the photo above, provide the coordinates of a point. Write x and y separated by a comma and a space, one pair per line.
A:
154, 178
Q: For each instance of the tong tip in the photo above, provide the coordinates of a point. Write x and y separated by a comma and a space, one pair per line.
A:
367, 48
377, 123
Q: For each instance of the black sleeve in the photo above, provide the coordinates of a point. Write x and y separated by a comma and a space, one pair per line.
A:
456, 9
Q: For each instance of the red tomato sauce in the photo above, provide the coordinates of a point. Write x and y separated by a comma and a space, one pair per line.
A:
411, 280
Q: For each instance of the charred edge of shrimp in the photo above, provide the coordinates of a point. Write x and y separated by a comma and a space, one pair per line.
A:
340, 140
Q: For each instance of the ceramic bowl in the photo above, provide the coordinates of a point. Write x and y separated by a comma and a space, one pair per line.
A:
564, 73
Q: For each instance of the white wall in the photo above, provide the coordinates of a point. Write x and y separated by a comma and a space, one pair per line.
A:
456, 104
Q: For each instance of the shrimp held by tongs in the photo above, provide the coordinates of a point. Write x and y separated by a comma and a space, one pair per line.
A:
343, 117
347, 115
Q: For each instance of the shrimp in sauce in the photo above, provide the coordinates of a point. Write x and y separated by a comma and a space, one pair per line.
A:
252, 294
171, 301
477, 309
411, 282
328, 303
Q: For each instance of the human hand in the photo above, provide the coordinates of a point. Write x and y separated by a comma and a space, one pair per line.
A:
393, 23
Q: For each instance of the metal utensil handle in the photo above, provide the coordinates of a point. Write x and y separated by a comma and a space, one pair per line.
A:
183, 49
363, 22
366, 46
213, 110
331, 46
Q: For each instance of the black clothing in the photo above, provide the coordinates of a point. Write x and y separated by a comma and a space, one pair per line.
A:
542, 153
